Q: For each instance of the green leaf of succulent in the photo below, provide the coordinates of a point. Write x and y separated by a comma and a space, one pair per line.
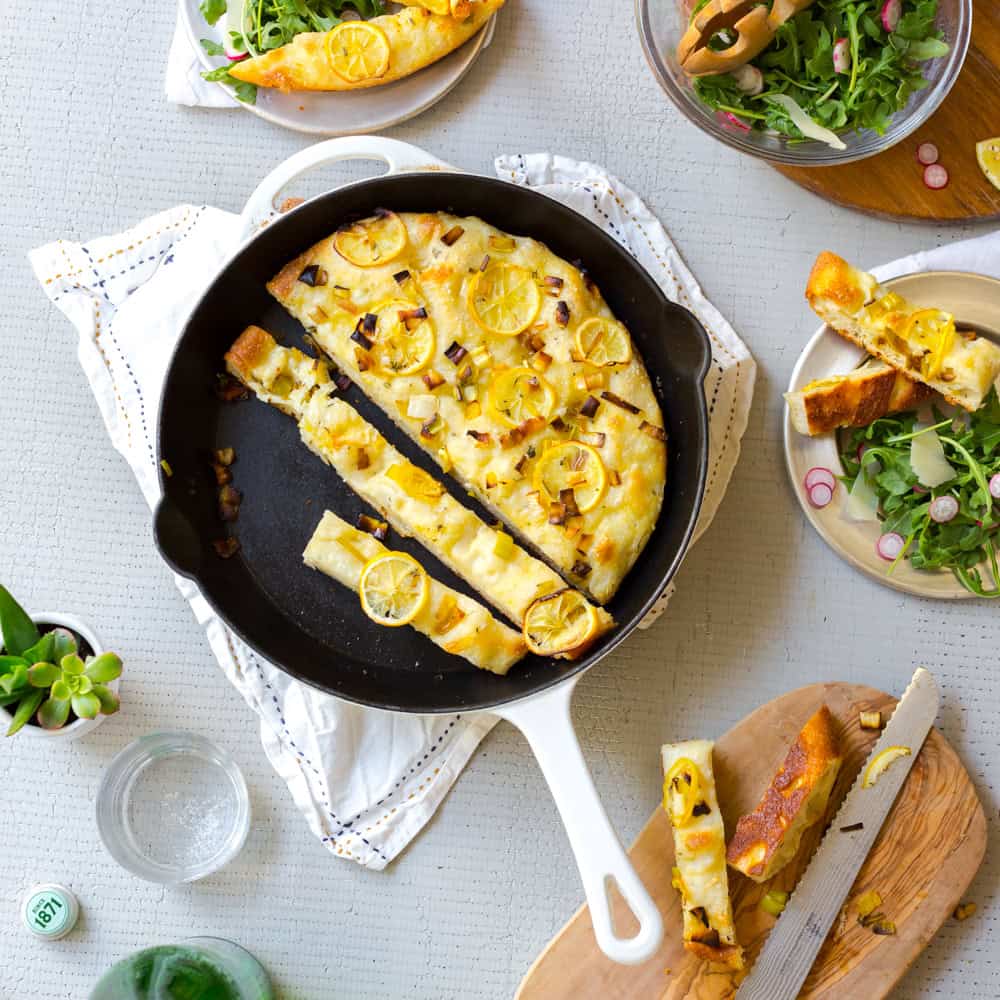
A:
110, 703
87, 706
82, 685
53, 714
25, 711
43, 675
7, 663
15, 680
72, 665
64, 643
19, 631
43, 651
60, 691
104, 668
10, 699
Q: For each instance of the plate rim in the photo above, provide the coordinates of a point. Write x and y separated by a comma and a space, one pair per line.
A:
475, 46
790, 436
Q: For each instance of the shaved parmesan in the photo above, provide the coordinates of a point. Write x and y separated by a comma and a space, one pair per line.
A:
862, 501
805, 124
928, 460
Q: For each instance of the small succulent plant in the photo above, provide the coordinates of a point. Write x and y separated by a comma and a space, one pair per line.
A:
44, 674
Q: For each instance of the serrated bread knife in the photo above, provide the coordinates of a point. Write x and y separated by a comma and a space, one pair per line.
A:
794, 941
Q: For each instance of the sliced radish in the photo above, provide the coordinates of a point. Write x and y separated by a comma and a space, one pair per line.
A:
237, 56
927, 153
842, 55
995, 487
820, 474
943, 509
749, 79
917, 488
935, 176
891, 11
733, 120
890, 545
820, 494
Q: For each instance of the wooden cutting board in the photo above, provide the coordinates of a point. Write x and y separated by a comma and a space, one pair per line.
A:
891, 184
929, 849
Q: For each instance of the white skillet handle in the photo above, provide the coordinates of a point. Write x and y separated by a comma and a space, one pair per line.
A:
546, 723
399, 157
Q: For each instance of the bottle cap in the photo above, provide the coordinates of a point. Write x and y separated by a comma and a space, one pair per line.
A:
50, 911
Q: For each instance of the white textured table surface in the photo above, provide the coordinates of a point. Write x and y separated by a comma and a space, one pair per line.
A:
88, 146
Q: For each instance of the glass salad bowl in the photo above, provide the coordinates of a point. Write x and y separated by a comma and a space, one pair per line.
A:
663, 22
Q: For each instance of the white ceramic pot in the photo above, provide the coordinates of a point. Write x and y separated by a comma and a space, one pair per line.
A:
80, 726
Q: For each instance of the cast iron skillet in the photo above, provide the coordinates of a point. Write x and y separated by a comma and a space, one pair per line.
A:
299, 619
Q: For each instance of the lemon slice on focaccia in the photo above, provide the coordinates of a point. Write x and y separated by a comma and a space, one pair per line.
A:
514, 353
456, 623
359, 54
413, 501
924, 343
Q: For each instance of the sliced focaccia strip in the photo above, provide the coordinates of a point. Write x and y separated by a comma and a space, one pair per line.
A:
854, 400
769, 837
399, 303
358, 54
456, 623
923, 343
412, 501
700, 848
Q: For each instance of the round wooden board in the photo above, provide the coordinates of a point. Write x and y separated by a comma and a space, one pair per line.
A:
924, 859
891, 184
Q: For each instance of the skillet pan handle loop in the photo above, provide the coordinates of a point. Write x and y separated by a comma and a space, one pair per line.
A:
399, 157
547, 725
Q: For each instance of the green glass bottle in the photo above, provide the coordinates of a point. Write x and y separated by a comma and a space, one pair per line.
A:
202, 968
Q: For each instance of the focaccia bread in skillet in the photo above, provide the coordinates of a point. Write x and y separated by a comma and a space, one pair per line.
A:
413, 502
391, 47
505, 364
958, 364
769, 837
854, 400
456, 623
700, 847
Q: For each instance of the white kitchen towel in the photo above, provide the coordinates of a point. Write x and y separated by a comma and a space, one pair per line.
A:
365, 780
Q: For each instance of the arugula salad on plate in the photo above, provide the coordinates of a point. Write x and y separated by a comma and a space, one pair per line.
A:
811, 69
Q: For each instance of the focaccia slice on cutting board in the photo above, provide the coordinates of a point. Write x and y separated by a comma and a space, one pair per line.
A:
348, 57
957, 363
700, 848
456, 623
541, 407
854, 400
769, 837
413, 502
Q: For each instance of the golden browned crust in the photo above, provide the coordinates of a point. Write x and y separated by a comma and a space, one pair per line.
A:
833, 279
251, 347
759, 835
281, 285
908, 394
726, 954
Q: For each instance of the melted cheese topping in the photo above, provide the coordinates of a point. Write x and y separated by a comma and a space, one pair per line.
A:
593, 549
449, 619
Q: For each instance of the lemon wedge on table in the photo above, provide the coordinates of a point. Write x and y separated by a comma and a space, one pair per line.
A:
504, 299
358, 51
603, 342
374, 241
393, 589
574, 466
988, 155
881, 763
520, 394
558, 624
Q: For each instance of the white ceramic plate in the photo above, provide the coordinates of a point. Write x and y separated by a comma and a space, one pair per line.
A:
975, 301
352, 112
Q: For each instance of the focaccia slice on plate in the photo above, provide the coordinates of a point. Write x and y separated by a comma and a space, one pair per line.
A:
359, 54
456, 623
923, 343
700, 848
854, 400
769, 837
504, 363
413, 502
